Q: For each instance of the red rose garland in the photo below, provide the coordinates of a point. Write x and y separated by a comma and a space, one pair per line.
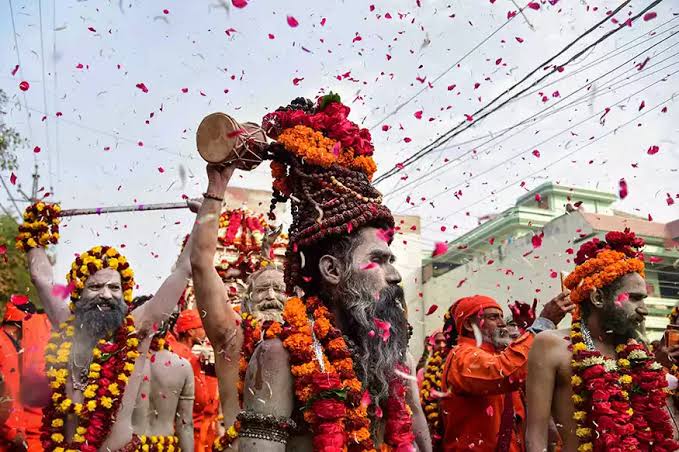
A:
619, 405
111, 367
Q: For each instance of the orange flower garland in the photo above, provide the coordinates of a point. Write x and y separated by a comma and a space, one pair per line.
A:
334, 400
315, 148
111, 367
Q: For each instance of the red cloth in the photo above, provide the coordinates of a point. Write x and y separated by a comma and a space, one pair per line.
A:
25, 382
13, 313
477, 379
466, 307
189, 319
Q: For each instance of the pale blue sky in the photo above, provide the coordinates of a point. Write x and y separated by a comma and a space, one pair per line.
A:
188, 48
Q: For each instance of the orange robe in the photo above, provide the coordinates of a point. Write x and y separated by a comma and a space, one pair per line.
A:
26, 385
206, 403
478, 380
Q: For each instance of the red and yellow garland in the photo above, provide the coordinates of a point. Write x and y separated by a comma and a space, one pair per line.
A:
619, 406
111, 367
334, 402
40, 226
430, 393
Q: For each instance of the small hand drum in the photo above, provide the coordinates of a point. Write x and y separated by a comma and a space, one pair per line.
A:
220, 139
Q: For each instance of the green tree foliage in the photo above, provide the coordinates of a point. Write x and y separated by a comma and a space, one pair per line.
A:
10, 139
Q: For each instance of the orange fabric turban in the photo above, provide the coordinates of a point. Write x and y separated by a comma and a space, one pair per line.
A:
466, 307
189, 319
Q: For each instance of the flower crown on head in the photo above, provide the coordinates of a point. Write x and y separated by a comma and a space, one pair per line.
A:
321, 134
98, 258
599, 263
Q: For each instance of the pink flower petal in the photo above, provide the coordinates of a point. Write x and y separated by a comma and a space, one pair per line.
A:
432, 309
418, 114
536, 153
384, 328
536, 240
13, 179
161, 169
534, 5
36, 150
142, 87
295, 81
385, 128
652, 150
92, 29
292, 22
61, 291
23, 86
3, 250
14, 71
622, 189
519, 40
439, 248
239, 3
650, 16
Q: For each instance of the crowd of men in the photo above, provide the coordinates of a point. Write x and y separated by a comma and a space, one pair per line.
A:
313, 353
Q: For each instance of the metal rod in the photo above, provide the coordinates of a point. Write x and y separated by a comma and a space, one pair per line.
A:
118, 209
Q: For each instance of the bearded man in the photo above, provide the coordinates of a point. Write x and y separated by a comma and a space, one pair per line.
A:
338, 376
600, 383
96, 357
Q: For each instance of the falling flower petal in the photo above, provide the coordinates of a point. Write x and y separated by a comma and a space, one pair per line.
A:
142, 87
418, 114
295, 81
622, 190
239, 3
14, 71
292, 22
653, 150
536, 240
62, 291
161, 169
432, 309
13, 179
92, 29
519, 40
649, 16
23, 86
36, 150
536, 153
439, 248
534, 5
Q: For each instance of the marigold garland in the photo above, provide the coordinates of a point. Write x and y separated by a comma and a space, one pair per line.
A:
159, 444
430, 393
110, 370
98, 258
333, 399
40, 226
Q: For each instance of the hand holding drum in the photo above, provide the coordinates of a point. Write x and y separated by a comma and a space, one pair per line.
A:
221, 139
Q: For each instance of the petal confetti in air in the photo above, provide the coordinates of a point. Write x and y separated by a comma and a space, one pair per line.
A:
622, 188
536, 153
36, 150
432, 309
142, 87
23, 86
439, 249
292, 22
13, 179
536, 240
14, 71
239, 3
652, 150
650, 16
62, 291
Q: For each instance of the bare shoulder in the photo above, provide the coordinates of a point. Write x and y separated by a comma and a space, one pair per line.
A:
270, 355
552, 344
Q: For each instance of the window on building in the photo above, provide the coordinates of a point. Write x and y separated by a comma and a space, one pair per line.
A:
668, 282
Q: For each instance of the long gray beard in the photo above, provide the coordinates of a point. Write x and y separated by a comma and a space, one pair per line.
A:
93, 324
377, 359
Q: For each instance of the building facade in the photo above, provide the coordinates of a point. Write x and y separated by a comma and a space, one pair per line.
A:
499, 258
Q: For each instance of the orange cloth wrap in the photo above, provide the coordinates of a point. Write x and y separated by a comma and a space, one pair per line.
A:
188, 320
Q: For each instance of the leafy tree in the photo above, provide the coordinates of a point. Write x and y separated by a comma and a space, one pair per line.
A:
14, 276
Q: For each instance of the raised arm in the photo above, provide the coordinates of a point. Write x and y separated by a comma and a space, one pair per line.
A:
183, 425
539, 390
420, 427
42, 277
268, 391
219, 320
159, 308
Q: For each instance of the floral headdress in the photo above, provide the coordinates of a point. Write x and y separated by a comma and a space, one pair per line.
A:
323, 163
98, 258
599, 263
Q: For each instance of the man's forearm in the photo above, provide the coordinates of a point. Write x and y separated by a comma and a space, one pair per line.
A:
42, 277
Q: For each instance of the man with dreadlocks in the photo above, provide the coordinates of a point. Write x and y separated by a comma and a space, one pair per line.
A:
96, 356
601, 384
338, 377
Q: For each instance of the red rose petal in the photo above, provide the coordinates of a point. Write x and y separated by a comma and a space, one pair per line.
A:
295, 81
14, 71
18, 300
649, 16
385, 128
432, 309
92, 29
534, 5
439, 248
418, 114
622, 190
653, 150
536, 153
3, 249
36, 149
23, 86
407, 139
142, 87
13, 179
292, 22
239, 3
161, 169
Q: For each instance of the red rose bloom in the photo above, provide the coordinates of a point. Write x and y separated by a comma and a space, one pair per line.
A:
324, 381
329, 437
